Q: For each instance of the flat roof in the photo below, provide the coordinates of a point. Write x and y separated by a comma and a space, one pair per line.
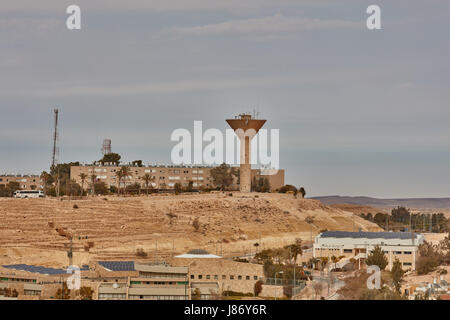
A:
368, 235
198, 256
35, 269
117, 265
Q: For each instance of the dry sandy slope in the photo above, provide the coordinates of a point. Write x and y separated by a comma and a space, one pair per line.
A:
161, 225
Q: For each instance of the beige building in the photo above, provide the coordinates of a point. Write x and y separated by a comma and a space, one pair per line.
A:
148, 282
357, 245
213, 275
26, 182
164, 177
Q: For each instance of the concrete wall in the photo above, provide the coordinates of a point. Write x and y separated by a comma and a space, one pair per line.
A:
229, 275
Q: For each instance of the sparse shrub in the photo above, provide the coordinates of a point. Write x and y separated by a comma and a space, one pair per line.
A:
178, 189
229, 293
61, 232
258, 287
86, 293
171, 215
429, 258
196, 224
196, 294
141, 253
63, 294
286, 188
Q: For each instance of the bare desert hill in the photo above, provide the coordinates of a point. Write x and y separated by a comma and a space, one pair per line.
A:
436, 203
358, 209
33, 230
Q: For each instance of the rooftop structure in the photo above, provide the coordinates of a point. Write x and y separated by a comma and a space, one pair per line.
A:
35, 269
369, 235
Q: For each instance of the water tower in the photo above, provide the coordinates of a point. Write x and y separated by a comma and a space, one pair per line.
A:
245, 128
106, 147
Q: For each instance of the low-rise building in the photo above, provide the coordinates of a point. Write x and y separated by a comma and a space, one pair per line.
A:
26, 182
145, 281
357, 245
164, 177
213, 275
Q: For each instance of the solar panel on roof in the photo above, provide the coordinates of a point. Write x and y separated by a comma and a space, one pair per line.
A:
35, 269
118, 265
369, 235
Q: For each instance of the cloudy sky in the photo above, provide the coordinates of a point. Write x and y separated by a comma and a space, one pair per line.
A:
360, 112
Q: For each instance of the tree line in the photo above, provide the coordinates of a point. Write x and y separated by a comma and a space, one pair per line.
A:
401, 219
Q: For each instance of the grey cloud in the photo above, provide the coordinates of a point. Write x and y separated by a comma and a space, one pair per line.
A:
277, 24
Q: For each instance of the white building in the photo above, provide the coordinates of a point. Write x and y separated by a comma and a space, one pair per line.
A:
356, 245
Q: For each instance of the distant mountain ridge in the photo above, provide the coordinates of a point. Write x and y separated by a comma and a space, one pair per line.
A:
438, 203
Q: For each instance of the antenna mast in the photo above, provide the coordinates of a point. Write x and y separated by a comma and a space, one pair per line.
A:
55, 153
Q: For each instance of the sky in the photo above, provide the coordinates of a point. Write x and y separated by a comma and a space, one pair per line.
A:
360, 112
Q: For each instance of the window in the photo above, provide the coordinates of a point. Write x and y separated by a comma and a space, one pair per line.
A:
348, 250
247, 277
216, 277
231, 277
224, 277
192, 276
255, 277
239, 277
200, 276
208, 277
407, 252
407, 263
397, 252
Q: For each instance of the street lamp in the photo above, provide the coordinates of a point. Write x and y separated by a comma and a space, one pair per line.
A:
279, 272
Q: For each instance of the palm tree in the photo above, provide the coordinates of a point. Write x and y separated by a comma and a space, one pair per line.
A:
119, 175
123, 173
147, 179
334, 259
296, 249
83, 177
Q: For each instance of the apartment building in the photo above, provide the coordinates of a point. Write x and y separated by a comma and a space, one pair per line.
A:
357, 245
26, 182
164, 177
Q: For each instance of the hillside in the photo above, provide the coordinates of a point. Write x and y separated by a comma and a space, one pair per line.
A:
358, 209
161, 225
437, 203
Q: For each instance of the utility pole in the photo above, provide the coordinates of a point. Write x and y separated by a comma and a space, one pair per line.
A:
70, 252
55, 152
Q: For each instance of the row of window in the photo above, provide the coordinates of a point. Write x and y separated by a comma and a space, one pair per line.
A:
144, 297
386, 252
224, 277
151, 171
32, 292
144, 274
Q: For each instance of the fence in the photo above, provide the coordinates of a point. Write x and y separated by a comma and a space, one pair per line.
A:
283, 282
